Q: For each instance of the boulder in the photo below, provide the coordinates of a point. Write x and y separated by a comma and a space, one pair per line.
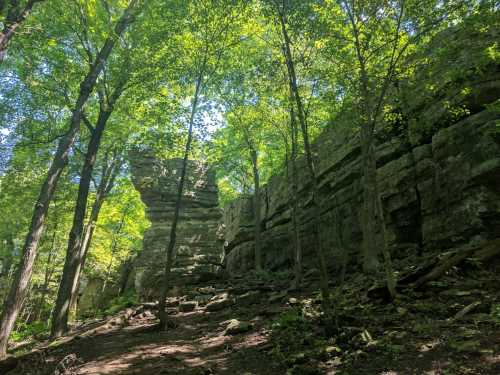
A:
236, 327
187, 306
219, 302
248, 298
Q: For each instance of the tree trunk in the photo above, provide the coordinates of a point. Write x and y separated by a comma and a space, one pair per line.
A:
15, 18
74, 254
48, 271
373, 217
257, 210
162, 314
373, 213
106, 184
325, 291
371, 244
24, 271
295, 203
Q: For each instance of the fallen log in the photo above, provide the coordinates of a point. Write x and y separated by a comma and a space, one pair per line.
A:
444, 266
467, 309
440, 266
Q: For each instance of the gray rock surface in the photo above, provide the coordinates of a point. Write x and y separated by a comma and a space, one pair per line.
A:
437, 195
198, 246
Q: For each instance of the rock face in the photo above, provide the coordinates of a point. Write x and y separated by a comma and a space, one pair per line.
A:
438, 194
438, 169
197, 246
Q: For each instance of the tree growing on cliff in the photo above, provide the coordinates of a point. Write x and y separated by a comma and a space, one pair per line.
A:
282, 11
379, 36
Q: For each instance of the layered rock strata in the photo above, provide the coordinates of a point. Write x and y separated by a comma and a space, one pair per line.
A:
439, 194
198, 247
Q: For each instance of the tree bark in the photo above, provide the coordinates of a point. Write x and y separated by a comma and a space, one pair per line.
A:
373, 213
74, 254
106, 184
14, 19
48, 270
295, 203
162, 314
256, 206
325, 290
24, 271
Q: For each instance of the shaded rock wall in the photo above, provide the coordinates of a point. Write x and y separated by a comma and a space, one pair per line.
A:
198, 245
439, 194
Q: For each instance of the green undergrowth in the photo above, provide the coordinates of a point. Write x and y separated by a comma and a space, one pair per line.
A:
418, 331
120, 303
25, 331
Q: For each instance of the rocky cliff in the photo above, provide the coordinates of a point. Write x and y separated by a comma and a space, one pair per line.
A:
438, 166
440, 193
198, 246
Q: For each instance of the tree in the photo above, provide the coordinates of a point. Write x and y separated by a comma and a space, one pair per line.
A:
109, 172
19, 286
15, 14
213, 22
295, 195
281, 14
381, 37
76, 250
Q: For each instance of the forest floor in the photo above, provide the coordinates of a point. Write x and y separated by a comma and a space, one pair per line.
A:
248, 326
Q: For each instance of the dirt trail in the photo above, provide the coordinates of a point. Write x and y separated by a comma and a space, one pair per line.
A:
196, 344
449, 328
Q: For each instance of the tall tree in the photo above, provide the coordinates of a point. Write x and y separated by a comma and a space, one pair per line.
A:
281, 14
213, 23
108, 175
75, 252
295, 196
381, 35
19, 286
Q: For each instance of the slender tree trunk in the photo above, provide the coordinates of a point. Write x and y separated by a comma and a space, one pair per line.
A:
113, 249
15, 18
325, 290
7, 260
162, 314
22, 278
257, 210
369, 217
106, 184
74, 254
373, 213
373, 219
48, 271
295, 203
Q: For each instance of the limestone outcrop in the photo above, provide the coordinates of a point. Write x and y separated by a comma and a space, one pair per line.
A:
198, 246
438, 194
